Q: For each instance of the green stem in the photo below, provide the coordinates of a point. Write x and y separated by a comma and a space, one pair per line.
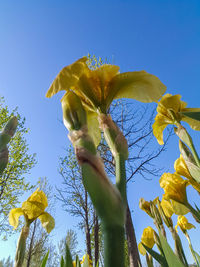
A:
194, 212
114, 245
191, 249
21, 246
121, 175
178, 246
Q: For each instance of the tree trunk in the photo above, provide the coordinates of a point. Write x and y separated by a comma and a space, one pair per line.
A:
96, 239
31, 245
134, 257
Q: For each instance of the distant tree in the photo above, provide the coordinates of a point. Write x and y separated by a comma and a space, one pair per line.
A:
72, 243
74, 197
12, 182
6, 262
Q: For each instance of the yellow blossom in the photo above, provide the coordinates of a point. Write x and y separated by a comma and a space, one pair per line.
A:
170, 207
98, 88
182, 169
145, 206
174, 187
183, 223
88, 259
170, 111
32, 209
147, 239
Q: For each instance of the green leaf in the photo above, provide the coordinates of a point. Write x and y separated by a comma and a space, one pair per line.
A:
156, 256
197, 256
192, 115
194, 170
68, 257
78, 262
171, 258
44, 261
62, 262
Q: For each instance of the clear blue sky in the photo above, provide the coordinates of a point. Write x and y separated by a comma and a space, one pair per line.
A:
38, 38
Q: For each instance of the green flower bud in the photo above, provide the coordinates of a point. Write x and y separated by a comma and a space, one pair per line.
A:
74, 115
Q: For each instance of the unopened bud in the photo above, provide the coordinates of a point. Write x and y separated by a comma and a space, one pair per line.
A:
167, 220
156, 214
74, 115
145, 205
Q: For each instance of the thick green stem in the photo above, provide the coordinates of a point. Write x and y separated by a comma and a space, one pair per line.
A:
113, 245
121, 175
21, 246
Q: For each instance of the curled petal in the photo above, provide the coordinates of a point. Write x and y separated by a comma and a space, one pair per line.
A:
47, 221
158, 127
141, 249
68, 77
14, 216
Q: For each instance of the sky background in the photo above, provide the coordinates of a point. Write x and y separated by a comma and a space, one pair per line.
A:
39, 38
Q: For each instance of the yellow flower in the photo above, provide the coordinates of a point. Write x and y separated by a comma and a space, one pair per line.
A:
174, 187
98, 88
32, 209
182, 169
183, 223
170, 207
74, 263
88, 259
147, 239
145, 205
170, 111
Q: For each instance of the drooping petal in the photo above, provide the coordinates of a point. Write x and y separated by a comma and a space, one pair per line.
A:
158, 127
68, 77
14, 216
167, 207
194, 124
48, 222
171, 102
141, 249
138, 85
179, 209
181, 168
183, 223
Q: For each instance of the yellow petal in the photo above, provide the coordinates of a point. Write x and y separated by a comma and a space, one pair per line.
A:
14, 217
93, 127
68, 77
158, 128
47, 221
40, 197
167, 207
184, 224
148, 237
179, 209
32, 209
181, 168
194, 124
138, 85
171, 102
141, 249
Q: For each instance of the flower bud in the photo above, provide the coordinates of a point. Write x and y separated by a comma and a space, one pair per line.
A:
74, 115
182, 133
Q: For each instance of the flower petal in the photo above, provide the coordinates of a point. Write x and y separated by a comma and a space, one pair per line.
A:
138, 85
47, 221
194, 124
141, 249
32, 209
14, 216
179, 209
68, 77
158, 127
40, 197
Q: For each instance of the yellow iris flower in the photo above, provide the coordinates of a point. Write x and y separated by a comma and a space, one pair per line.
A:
174, 187
170, 207
147, 239
170, 110
182, 169
88, 259
98, 88
32, 209
145, 206
183, 223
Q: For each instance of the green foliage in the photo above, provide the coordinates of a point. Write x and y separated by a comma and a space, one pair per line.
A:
12, 182
6, 262
44, 261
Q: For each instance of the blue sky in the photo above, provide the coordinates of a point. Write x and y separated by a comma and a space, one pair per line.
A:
38, 38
